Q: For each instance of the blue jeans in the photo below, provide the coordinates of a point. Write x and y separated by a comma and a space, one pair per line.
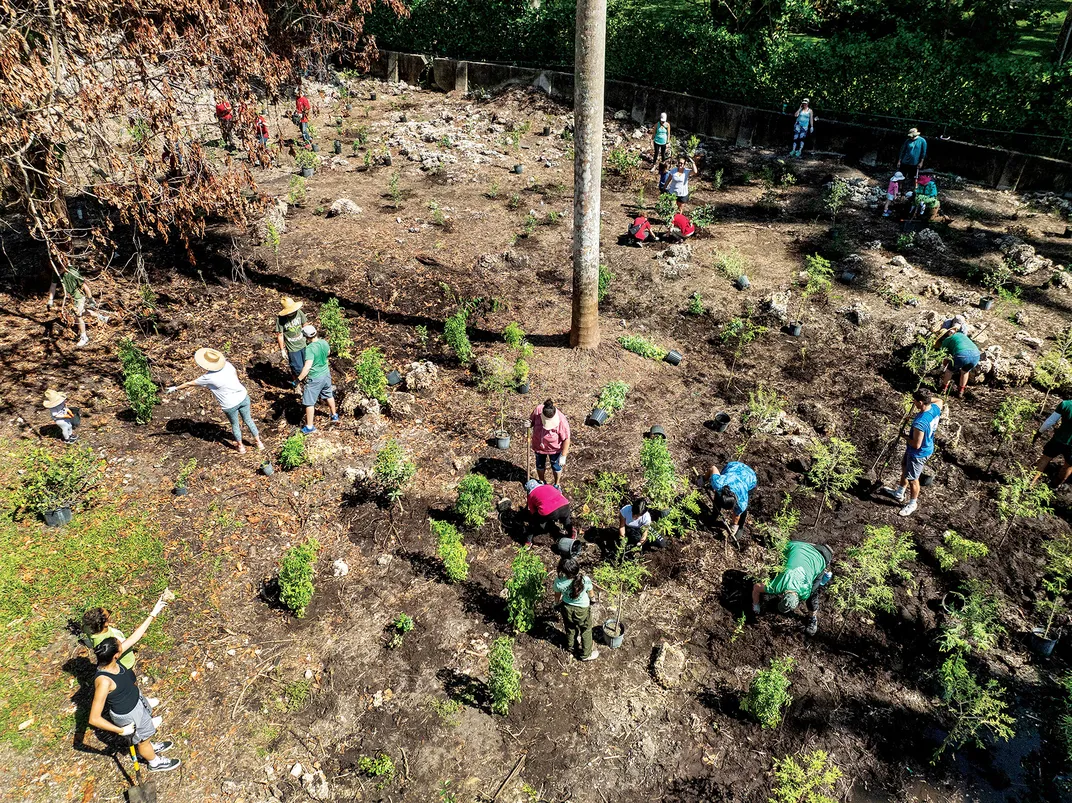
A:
305, 132
242, 409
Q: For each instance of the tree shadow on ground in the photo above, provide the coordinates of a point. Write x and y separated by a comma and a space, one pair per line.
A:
499, 470
465, 689
204, 430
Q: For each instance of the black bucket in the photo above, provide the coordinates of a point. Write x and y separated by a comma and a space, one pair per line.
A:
337, 145
795, 328
58, 517
179, 490
742, 283
926, 480
569, 547
721, 422
523, 388
1043, 646
655, 432
986, 302
597, 418
673, 357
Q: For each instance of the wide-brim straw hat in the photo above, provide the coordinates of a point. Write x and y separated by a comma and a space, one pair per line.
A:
54, 398
210, 359
289, 306
913, 132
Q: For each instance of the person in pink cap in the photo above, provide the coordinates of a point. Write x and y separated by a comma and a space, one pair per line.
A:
550, 438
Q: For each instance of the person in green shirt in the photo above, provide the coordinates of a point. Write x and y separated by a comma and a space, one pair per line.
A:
288, 327
963, 357
76, 289
1060, 445
807, 570
317, 377
573, 590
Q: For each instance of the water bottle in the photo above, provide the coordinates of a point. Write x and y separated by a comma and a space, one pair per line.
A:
826, 577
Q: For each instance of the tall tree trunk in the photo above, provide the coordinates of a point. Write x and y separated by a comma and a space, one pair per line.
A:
587, 169
1063, 50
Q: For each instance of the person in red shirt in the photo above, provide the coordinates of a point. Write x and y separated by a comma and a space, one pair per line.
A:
547, 508
684, 226
225, 117
640, 231
260, 128
303, 108
550, 438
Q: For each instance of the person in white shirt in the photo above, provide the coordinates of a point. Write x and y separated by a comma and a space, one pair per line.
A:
633, 522
222, 379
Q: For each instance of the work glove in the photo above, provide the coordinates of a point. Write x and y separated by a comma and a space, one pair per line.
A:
562, 461
128, 730
755, 608
160, 605
171, 389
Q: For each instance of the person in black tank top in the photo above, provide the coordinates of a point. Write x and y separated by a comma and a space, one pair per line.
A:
115, 689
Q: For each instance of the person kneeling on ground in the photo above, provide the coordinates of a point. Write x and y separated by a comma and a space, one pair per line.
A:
573, 590
730, 490
115, 690
963, 357
222, 379
64, 418
633, 522
316, 373
926, 197
548, 509
1060, 445
920, 447
807, 570
683, 226
640, 231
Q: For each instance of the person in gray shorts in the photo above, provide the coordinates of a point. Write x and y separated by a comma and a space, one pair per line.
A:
316, 373
920, 437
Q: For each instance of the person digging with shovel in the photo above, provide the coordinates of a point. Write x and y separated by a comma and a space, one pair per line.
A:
920, 447
129, 712
729, 491
807, 570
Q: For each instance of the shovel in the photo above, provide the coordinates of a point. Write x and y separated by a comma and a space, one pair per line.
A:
887, 452
140, 792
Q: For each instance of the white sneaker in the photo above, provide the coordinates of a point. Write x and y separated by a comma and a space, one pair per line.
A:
83, 341
895, 493
909, 509
157, 721
152, 701
594, 654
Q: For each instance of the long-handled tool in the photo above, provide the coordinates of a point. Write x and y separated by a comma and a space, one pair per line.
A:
141, 792
887, 452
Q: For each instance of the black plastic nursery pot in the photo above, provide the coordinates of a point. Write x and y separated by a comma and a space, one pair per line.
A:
307, 172
372, 96
500, 440
597, 418
655, 431
296, 119
795, 328
267, 469
387, 160
393, 378
547, 130
179, 490
721, 422
848, 277
519, 168
1042, 646
569, 547
673, 357
926, 480
523, 388
58, 517
613, 633
337, 145
316, 148
742, 283
986, 302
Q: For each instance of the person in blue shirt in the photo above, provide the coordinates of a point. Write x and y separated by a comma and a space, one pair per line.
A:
730, 490
920, 447
804, 124
910, 160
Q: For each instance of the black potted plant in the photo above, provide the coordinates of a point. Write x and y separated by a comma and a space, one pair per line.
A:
496, 378
52, 484
183, 477
307, 162
611, 400
620, 578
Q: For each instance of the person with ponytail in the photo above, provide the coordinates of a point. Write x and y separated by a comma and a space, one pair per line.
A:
573, 590
115, 692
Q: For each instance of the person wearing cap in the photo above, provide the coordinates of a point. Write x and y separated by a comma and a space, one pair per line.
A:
920, 447
660, 138
64, 418
222, 379
550, 439
1060, 445
548, 508
910, 159
964, 355
807, 570
302, 108
634, 520
893, 191
225, 117
288, 332
316, 373
804, 124
729, 492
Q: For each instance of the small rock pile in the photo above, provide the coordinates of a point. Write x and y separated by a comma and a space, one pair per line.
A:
1049, 200
1021, 256
861, 193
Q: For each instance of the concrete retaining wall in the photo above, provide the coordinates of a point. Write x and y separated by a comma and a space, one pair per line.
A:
743, 125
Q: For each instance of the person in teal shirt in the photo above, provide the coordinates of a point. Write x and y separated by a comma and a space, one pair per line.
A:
807, 570
1060, 445
316, 373
660, 138
963, 357
573, 590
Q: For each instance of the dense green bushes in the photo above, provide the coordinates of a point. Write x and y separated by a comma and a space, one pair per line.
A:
970, 79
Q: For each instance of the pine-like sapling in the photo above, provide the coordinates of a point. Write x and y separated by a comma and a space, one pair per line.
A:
811, 780
768, 695
973, 619
738, 333
835, 469
1057, 580
977, 710
1014, 415
956, 548
1020, 497
864, 581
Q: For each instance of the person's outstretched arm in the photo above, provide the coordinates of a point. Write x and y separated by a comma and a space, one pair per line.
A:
135, 637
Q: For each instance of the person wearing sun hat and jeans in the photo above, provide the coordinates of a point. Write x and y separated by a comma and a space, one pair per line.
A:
288, 328
910, 159
550, 439
316, 373
64, 418
807, 570
222, 379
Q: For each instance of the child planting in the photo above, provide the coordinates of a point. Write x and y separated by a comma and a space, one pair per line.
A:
573, 591
64, 418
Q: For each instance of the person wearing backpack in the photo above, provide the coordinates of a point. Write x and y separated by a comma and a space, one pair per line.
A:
640, 231
573, 592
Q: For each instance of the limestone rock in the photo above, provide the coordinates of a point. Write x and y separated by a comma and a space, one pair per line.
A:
669, 665
899, 262
777, 305
340, 568
421, 376
276, 216
1061, 279
679, 251
344, 206
822, 420
857, 313
1022, 256
402, 405
928, 238
1028, 340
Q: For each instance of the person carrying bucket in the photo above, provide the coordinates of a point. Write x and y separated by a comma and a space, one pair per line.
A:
729, 492
807, 570
548, 509
573, 592
920, 447
62, 416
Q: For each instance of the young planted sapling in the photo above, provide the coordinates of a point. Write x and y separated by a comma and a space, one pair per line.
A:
524, 589
496, 379
476, 500
1058, 580
925, 359
450, 550
620, 578
1020, 497
1014, 415
956, 548
835, 469
768, 694
612, 398
1054, 369
183, 477
973, 622
738, 333
863, 583
393, 470
977, 709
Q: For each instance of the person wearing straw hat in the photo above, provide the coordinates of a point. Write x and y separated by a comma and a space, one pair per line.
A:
550, 439
316, 373
288, 328
64, 418
803, 125
660, 139
222, 379
910, 160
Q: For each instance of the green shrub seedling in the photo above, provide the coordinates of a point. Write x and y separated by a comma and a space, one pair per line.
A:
393, 470
296, 576
620, 578
977, 710
661, 481
764, 411
819, 274
730, 264
973, 621
642, 346
450, 550
864, 581
455, 335
739, 331
605, 278
768, 695
187, 471
604, 497
925, 359
336, 329
612, 398
835, 469
1014, 415
142, 392
1054, 368
371, 377
696, 305
1020, 497
400, 625
51, 480
1057, 581
776, 533
381, 767
524, 589
835, 198
955, 547
810, 781
666, 207
476, 500
292, 453
504, 679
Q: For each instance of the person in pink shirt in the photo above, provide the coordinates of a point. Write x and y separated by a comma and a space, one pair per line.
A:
893, 191
548, 508
550, 438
